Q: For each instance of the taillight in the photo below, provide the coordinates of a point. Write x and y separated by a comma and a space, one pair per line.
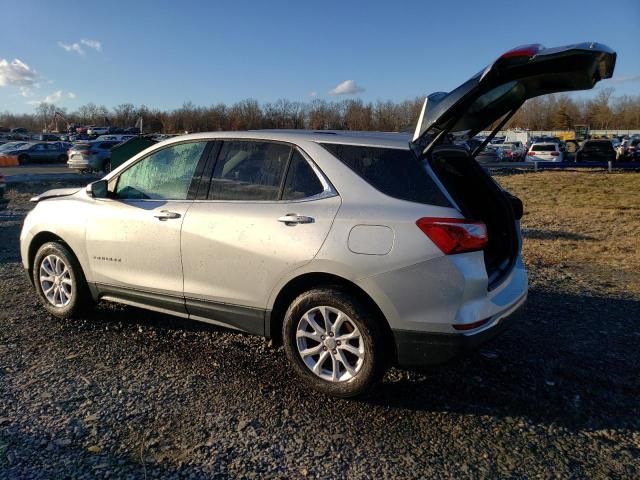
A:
555, 154
531, 153
454, 235
471, 326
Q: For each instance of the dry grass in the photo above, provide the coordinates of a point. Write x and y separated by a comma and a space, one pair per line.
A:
584, 225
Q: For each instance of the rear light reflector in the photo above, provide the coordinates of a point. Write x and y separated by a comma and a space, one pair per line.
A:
471, 326
454, 235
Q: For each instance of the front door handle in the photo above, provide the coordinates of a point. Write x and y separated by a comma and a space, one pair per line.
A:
294, 218
166, 215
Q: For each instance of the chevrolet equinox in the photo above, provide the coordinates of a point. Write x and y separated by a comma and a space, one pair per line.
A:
357, 251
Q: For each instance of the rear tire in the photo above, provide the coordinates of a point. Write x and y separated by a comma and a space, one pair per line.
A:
23, 159
106, 166
334, 343
62, 158
59, 281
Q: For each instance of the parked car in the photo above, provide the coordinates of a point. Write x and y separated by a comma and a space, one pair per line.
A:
39, 152
119, 137
92, 156
544, 152
97, 130
3, 189
596, 151
628, 149
512, 151
46, 137
356, 251
490, 154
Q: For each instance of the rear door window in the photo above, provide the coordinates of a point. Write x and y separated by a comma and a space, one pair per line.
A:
249, 170
302, 181
394, 172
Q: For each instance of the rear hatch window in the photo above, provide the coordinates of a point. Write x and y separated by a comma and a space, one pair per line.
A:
543, 148
598, 147
394, 172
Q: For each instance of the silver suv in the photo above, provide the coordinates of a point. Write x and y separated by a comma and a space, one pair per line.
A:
355, 250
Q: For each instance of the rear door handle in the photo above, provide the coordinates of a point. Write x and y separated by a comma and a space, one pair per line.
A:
166, 215
294, 218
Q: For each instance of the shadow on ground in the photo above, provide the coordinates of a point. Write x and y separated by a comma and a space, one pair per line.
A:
570, 360
554, 235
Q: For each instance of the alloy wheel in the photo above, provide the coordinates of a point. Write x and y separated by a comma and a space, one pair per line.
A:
56, 281
330, 344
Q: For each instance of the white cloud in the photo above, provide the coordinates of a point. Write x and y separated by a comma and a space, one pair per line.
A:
626, 78
348, 87
72, 47
313, 93
78, 47
17, 74
95, 44
56, 97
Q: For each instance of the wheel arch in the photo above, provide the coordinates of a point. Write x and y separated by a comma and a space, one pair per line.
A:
40, 239
310, 280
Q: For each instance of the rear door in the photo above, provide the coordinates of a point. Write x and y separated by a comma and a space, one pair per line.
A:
519, 74
38, 152
265, 213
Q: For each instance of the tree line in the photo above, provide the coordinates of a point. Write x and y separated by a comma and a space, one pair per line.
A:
550, 112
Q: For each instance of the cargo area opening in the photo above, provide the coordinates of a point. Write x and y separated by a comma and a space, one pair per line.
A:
479, 197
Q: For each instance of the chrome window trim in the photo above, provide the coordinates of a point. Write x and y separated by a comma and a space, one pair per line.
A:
327, 192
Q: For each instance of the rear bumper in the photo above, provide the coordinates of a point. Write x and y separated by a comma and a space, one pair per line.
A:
85, 163
419, 349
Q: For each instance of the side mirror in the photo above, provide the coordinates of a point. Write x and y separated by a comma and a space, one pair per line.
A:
98, 189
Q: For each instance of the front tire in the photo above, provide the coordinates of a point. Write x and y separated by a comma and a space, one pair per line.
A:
334, 343
59, 281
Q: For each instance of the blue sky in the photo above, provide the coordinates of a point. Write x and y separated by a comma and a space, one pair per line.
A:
162, 53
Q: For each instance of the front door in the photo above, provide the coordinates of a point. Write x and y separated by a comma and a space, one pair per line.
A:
133, 238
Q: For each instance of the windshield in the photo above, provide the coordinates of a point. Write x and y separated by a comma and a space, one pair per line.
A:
13, 146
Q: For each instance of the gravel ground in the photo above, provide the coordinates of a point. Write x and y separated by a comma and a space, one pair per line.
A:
126, 393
